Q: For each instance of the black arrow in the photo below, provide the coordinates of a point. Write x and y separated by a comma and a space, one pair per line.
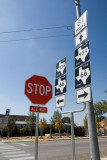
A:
83, 95
59, 101
80, 37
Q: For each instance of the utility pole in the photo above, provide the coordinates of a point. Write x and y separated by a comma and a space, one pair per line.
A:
94, 147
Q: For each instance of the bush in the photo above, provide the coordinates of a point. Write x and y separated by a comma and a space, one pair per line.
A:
79, 131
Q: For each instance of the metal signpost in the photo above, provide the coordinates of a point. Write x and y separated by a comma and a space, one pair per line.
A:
60, 89
83, 77
39, 91
6, 117
60, 83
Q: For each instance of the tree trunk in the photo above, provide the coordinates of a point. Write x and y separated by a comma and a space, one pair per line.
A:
50, 132
59, 133
41, 134
67, 132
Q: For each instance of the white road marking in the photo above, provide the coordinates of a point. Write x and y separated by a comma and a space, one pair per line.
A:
29, 158
13, 152
9, 147
17, 155
22, 144
8, 150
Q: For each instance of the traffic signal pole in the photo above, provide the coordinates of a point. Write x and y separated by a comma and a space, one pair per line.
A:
94, 147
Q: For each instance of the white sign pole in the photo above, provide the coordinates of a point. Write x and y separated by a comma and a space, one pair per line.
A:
94, 147
36, 136
72, 138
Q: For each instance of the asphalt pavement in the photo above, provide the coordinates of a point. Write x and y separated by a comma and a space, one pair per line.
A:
50, 150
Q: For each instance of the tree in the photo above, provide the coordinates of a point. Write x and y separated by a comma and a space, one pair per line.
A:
2, 127
58, 124
55, 116
85, 123
10, 126
42, 125
31, 120
23, 130
66, 120
100, 108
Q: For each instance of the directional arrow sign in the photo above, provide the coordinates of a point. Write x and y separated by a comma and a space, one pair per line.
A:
84, 95
81, 37
60, 101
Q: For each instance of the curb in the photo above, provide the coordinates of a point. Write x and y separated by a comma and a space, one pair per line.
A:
43, 140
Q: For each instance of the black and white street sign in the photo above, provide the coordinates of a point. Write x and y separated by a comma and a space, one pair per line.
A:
82, 75
60, 101
84, 95
7, 112
6, 117
61, 68
82, 36
60, 85
82, 54
81, 23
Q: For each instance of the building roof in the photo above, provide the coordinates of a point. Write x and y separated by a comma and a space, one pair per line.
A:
16, 117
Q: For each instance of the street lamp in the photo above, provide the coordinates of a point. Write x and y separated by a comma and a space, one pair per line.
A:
105, 91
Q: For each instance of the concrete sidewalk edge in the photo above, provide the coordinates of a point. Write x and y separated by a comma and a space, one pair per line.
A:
41, 140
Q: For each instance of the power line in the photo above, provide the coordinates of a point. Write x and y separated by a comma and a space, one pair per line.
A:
36, 29
25, 39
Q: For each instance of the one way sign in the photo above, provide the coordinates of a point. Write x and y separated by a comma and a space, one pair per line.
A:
60, 101
84, 95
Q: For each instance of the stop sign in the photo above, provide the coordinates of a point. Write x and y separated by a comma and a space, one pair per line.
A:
38, 89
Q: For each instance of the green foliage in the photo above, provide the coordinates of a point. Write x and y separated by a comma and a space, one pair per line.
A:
58, 124
23, 130
66, 120
98, 126
55, 116
10, 126
85, 123
42, 124
2, 127
31, 120
100, 108
79, 131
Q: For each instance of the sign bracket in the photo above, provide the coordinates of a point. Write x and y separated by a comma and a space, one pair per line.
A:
72, 127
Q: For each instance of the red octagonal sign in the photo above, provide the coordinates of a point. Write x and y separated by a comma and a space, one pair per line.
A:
38, 90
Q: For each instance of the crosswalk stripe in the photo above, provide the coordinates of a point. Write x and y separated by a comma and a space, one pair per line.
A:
10, 147
8, 150
22, 144
13, 152
17, 155
29, 158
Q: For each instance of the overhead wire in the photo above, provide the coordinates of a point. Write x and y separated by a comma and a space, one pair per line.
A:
36, 29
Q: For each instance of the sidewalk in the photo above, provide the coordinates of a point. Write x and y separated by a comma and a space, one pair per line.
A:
28, 139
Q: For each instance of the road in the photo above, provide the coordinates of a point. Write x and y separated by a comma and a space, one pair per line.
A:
50, 150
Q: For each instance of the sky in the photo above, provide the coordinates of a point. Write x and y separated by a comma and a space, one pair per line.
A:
36, 52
